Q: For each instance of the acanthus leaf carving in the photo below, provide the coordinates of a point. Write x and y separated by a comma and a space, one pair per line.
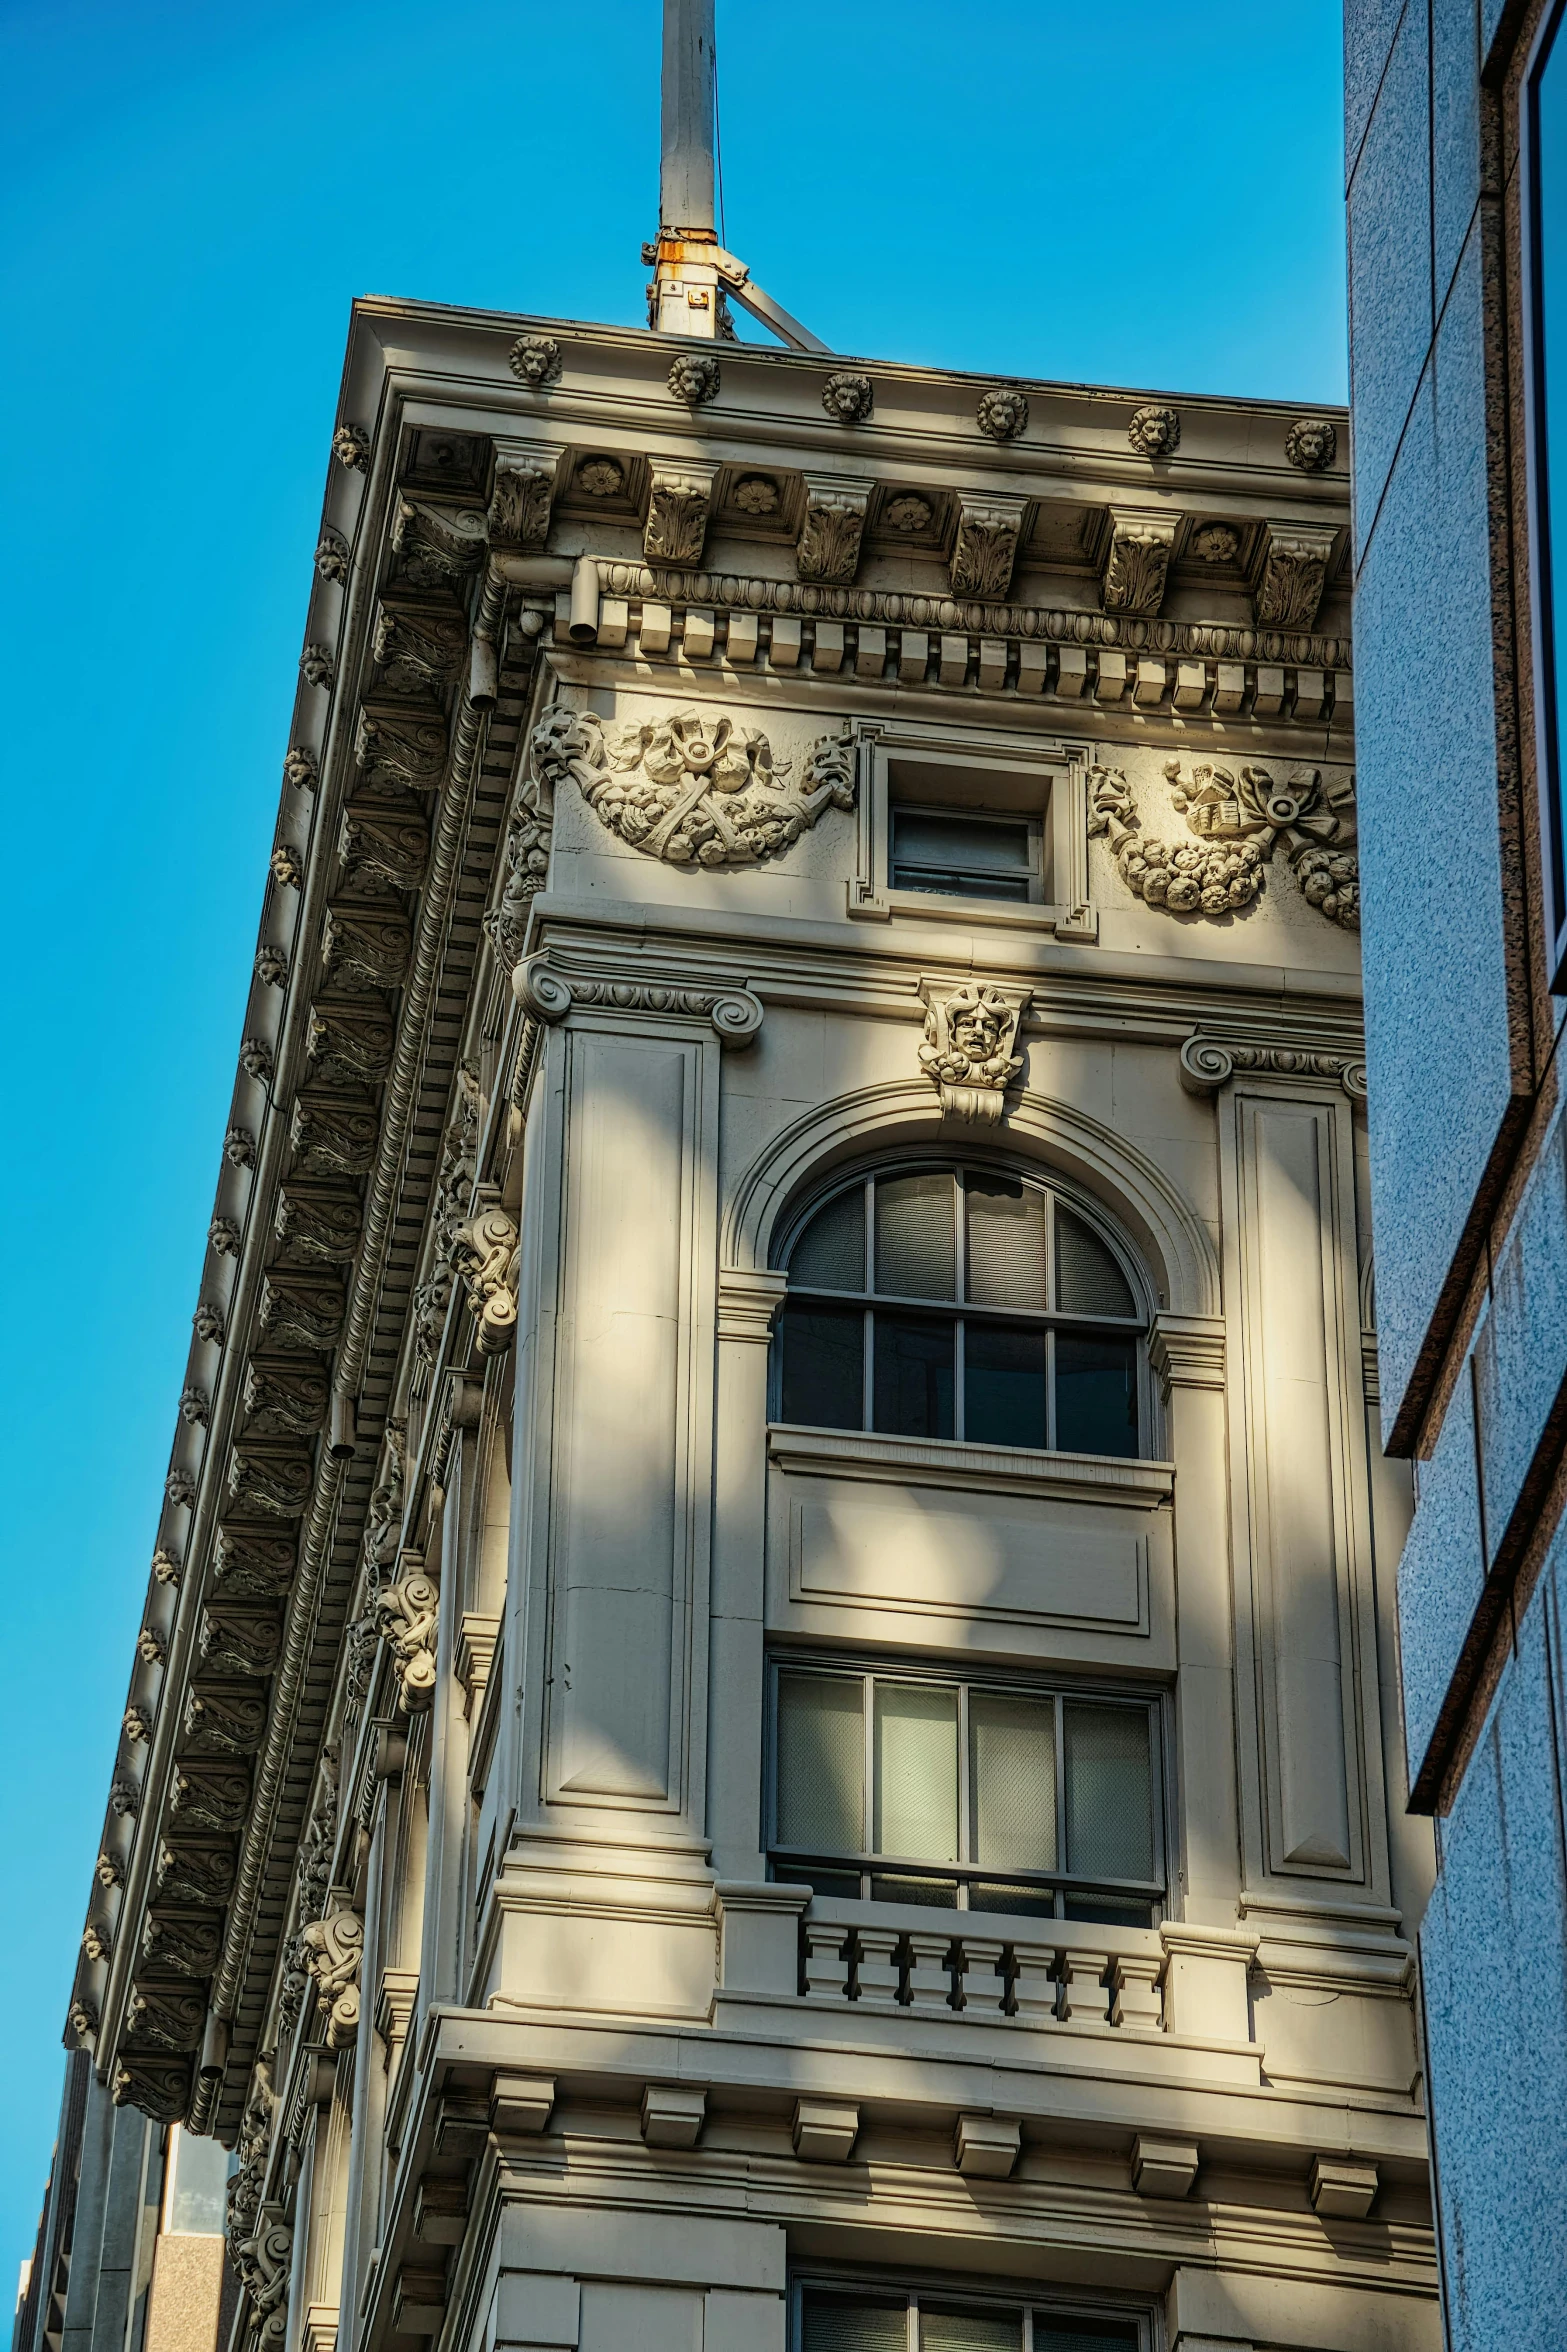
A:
365, 945
239, 1640
159, 2087
1294, 574
256, 1562
209, 1796
453, 1195
318, 1224
1137, 561
520, 504
439, 545
332, 1134
200, 1875
407, 747
406, 1612
828, 548
350, 1037
186, 1942
270, 1477
679, 505
386, 840
417, 653
333, 1948
301, 1308
985, 549
224, 1719
970, 1033
164, 2016
693, 789
553, 746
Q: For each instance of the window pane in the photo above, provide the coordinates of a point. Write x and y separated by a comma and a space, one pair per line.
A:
1004, 1385
1012, 1764
933, 1894
970, 2331
1109, 1804
1088, 1280
1006, 1242
824, 1367
1023, 1902
1096, 1395
1106, 1911
914, 1236
965, 856
830, 1253
198, 2185
1080, 2335
839, 2323
821, 1762
917, 1771
914, 1386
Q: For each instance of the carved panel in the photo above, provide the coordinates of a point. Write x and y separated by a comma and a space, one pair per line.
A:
350, 1038
237, 1640
365, 944
520, 505
416, 653
286, 1396
318, 1224
224, 1718
200, 1875
209, 1796
384, 841
270, 1477
333, 1134
186, 1943
1294, 574
164, 2015
401, 747
257, 1561
159, 2087
440, 546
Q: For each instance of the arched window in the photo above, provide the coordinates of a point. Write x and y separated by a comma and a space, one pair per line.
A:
955, 1302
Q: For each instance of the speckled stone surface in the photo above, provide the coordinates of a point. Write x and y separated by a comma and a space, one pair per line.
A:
1440, 1575
1455, 136
1389, 266
1369, 27
1493, 1963
1521, 1352
1430, 854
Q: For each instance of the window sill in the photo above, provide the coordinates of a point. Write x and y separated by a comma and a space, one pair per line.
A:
934, 1461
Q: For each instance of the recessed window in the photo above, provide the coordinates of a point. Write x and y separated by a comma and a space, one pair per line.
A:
901, 1788
959, 1303
849, 2319
960, 854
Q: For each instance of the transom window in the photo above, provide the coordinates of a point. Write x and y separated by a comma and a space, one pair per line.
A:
960, 1303
893, 1788
879, 2319
959, 853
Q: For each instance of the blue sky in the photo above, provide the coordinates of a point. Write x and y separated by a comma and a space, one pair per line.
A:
192, 196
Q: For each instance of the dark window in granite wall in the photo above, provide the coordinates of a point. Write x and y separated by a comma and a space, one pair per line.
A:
1547, 217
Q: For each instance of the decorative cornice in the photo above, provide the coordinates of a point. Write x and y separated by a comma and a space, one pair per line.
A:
750, 1300
1187, 1351
1209, 1062
547, 994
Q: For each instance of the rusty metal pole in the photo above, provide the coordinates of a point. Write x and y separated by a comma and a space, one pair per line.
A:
685, 292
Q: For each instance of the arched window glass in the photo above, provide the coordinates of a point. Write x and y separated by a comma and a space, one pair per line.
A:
961, 1303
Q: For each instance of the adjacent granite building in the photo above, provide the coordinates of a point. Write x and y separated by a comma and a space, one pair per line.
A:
1456, 139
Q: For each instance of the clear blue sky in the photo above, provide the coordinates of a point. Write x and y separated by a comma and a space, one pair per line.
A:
1125, 194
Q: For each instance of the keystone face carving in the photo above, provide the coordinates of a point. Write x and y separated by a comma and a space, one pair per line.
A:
986, 547
691, 789
679, 504
829, 544
406, 1614
333, 1949
1294, 574
1237, 818
1137, 561
967, 1054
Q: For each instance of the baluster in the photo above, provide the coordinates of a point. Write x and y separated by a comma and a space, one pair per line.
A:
879, 1973
1083, 1997
1034, 1985
826, 1959
982, 1982
930, 1973
1137, 1998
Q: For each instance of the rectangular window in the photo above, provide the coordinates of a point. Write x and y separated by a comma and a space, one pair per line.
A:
876, 2319
933, 1789
1545, 238
959, 854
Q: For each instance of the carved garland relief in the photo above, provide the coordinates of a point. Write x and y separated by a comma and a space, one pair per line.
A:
1236, 819
692, 789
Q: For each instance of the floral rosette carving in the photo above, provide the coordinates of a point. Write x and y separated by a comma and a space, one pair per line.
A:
695, 789
967, 1054
1238, 818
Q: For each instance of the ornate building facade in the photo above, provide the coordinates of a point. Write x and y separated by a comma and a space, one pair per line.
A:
767, 1710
